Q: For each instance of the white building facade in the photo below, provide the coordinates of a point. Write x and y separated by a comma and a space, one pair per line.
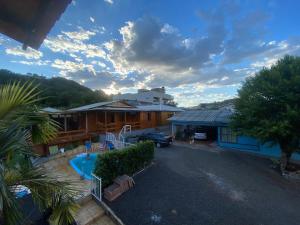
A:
153, 96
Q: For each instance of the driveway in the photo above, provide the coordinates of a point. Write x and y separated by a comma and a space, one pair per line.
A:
188, 186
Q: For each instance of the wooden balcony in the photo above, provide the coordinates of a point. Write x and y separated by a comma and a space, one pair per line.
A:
70, 136
65, 137
134, 125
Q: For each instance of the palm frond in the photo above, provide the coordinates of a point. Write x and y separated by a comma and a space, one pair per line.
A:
22, 125
8, 204
15, 95
13, 141
46, 191
63, 210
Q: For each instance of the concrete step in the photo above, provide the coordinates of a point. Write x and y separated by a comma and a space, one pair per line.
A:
89, 213
104, 220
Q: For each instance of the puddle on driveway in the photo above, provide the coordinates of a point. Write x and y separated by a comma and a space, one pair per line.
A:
155, 218
225, 187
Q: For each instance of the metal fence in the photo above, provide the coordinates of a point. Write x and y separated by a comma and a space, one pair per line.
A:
96, 187
121, 144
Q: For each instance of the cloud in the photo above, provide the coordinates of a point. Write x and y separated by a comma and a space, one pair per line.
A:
66, 67
193, 94
246, 38
33, 63
150, 46
149, 53
109, 1
29, 53
78, 36
107, 81
75, 42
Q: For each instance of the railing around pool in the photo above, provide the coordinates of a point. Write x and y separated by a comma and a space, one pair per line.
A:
120, 144
96, 187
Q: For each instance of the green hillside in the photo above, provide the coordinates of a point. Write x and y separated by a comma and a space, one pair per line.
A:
215, 105
58, 92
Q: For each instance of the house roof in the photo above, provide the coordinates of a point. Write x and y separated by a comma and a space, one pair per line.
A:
124, 106
30, 21
116, 106
50, 110
158, 108
205, 117
101, 105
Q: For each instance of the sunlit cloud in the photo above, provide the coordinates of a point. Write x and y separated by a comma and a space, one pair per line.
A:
75, 42
109, 1
92, 19
29, 53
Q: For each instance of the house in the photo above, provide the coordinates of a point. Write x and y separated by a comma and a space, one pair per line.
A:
88, 121
215, 123
153, 96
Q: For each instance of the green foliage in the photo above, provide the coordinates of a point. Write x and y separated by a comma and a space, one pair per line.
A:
216, 105
21, 125
268, 105
127, 161
56, 92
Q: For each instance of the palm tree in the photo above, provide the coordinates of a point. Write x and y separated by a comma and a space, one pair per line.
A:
21, 126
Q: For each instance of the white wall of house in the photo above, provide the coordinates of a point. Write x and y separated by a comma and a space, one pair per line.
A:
154, 96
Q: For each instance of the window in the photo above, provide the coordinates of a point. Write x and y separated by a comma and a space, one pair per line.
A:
149, 116
170, 115
227, 135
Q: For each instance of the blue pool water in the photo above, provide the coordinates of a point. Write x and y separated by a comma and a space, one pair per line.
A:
84, 166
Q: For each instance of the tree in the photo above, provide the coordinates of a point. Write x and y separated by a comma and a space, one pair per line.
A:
268, 107
57, 91
22, 125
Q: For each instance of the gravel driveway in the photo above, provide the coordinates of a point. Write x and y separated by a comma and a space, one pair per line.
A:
188, 186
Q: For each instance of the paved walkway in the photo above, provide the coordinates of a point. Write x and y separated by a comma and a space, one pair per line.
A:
61, 168
198, 186
89, 213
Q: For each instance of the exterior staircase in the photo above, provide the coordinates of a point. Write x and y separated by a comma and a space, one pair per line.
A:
119, 142
124, 131
90, 213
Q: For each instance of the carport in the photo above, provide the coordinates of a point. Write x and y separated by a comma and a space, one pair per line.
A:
192, 122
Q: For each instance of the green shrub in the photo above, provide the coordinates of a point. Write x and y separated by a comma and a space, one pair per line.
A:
127, 161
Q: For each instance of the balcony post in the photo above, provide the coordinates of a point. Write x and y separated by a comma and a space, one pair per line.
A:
105, 120
86, 123
65, 123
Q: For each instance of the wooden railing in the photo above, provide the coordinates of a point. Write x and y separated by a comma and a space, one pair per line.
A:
134, 125
70, 133
109, 127
70, 136
79, 135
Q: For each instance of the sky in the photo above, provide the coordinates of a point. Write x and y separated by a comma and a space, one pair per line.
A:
200, 51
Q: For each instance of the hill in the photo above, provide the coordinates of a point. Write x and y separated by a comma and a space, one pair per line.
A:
58, 92
215, 105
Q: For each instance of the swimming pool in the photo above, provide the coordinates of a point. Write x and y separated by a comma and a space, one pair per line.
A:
84, 166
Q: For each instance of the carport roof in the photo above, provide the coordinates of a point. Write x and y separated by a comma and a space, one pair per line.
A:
205, 117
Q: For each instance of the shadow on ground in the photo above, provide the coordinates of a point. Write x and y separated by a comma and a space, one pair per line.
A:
203, 186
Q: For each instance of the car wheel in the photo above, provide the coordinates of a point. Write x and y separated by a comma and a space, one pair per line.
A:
158, 145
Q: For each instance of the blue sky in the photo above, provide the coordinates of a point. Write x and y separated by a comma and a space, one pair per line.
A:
201, 51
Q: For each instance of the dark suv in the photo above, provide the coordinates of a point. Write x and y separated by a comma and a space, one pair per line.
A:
159, 139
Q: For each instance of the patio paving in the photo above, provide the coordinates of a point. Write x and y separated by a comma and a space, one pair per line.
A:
60, 167
203, 185
90, 213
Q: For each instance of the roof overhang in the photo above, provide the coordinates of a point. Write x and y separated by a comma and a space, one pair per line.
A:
29, 21
199, 123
